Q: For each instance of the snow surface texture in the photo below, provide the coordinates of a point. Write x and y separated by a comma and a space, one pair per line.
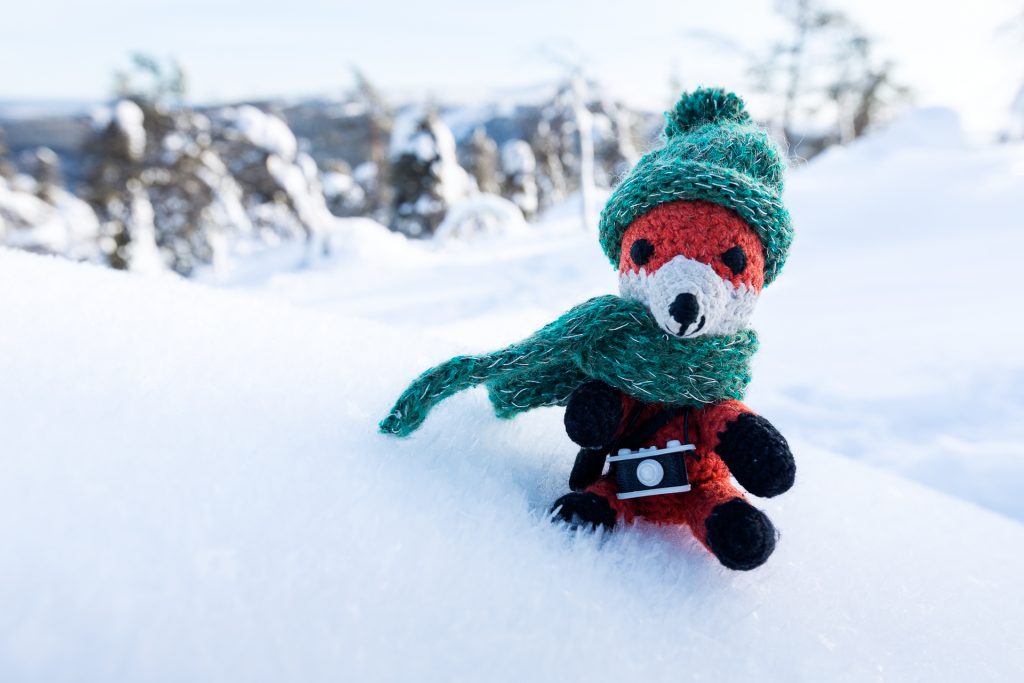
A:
191, 487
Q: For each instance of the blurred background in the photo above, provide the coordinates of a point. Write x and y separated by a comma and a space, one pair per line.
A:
180, 135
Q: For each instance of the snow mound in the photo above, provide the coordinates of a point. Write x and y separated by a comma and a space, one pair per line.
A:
889, 336
193, 490
481, 216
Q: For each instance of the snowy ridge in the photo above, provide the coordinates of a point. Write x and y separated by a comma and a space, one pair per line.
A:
217, 506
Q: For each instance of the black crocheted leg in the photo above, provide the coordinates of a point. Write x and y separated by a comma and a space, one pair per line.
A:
584, 510
757, 455
592, 415
740, 536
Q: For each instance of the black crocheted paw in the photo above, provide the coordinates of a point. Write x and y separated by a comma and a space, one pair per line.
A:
740, 536
757, 455
587, 469
592, 415
584, 510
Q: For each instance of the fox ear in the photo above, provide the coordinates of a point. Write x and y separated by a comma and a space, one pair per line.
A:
703, 106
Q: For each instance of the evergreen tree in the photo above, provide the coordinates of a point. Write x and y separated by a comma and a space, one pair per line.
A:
155, 182
44, 166
519, 176
345, 196
279, 186
615, 149
112, 186
833, 87
582, 139
380, 122
479, 156
426, 179
7, 169
556, 147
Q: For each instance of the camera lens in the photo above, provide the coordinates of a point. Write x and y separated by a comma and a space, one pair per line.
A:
650, 472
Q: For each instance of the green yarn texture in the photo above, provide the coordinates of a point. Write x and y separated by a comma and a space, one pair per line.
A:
714, 152
606, 338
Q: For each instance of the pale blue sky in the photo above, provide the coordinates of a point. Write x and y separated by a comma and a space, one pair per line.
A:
68, 48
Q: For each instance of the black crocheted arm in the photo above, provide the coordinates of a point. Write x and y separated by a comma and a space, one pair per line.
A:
757, 455
593, 414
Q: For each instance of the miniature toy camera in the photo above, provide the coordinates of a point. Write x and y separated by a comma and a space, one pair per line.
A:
651, 471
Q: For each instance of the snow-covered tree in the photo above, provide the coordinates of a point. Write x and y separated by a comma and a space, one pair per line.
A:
344, 195
113, 188
160, 83
44, 166
380, 119
38, 214
519, 176
556, 146
280, 186
7, 169
479, 156
426, 178
162, 191
615, 136
585, 132
164, 197
828, 84
583, 140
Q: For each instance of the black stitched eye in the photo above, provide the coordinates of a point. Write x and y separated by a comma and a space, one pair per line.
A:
735, 259
641, 252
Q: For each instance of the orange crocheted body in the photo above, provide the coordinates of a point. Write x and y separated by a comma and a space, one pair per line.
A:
708, 474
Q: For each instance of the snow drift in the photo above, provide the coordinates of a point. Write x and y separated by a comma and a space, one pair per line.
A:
192, 488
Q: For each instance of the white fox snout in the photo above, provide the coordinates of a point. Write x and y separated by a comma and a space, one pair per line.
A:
689, 299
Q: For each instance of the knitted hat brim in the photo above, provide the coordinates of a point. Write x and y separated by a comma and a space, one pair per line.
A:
655, 181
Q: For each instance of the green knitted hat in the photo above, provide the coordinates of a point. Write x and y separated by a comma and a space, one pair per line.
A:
714, 152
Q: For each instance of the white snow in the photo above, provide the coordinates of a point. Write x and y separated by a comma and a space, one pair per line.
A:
299, 181
517, 157
191, 486
481, 216
67, 225
263, 130
128, 117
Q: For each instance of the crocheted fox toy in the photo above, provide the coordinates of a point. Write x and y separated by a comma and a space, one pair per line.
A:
652, 379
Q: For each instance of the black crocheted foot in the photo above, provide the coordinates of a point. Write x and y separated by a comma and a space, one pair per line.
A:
757, 455
584, 510
592, 415
740, 535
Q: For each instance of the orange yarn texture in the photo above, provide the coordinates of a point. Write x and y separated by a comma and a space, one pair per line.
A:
698, 230
708, 475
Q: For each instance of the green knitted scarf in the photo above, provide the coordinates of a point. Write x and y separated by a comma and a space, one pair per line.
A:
606, 338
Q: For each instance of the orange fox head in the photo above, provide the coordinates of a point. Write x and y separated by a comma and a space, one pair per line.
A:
696, 266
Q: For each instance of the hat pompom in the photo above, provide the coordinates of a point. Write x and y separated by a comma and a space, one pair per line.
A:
704, 105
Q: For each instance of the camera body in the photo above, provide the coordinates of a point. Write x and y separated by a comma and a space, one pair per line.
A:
651, 471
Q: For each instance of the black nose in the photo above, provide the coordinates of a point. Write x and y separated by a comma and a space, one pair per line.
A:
684, 310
